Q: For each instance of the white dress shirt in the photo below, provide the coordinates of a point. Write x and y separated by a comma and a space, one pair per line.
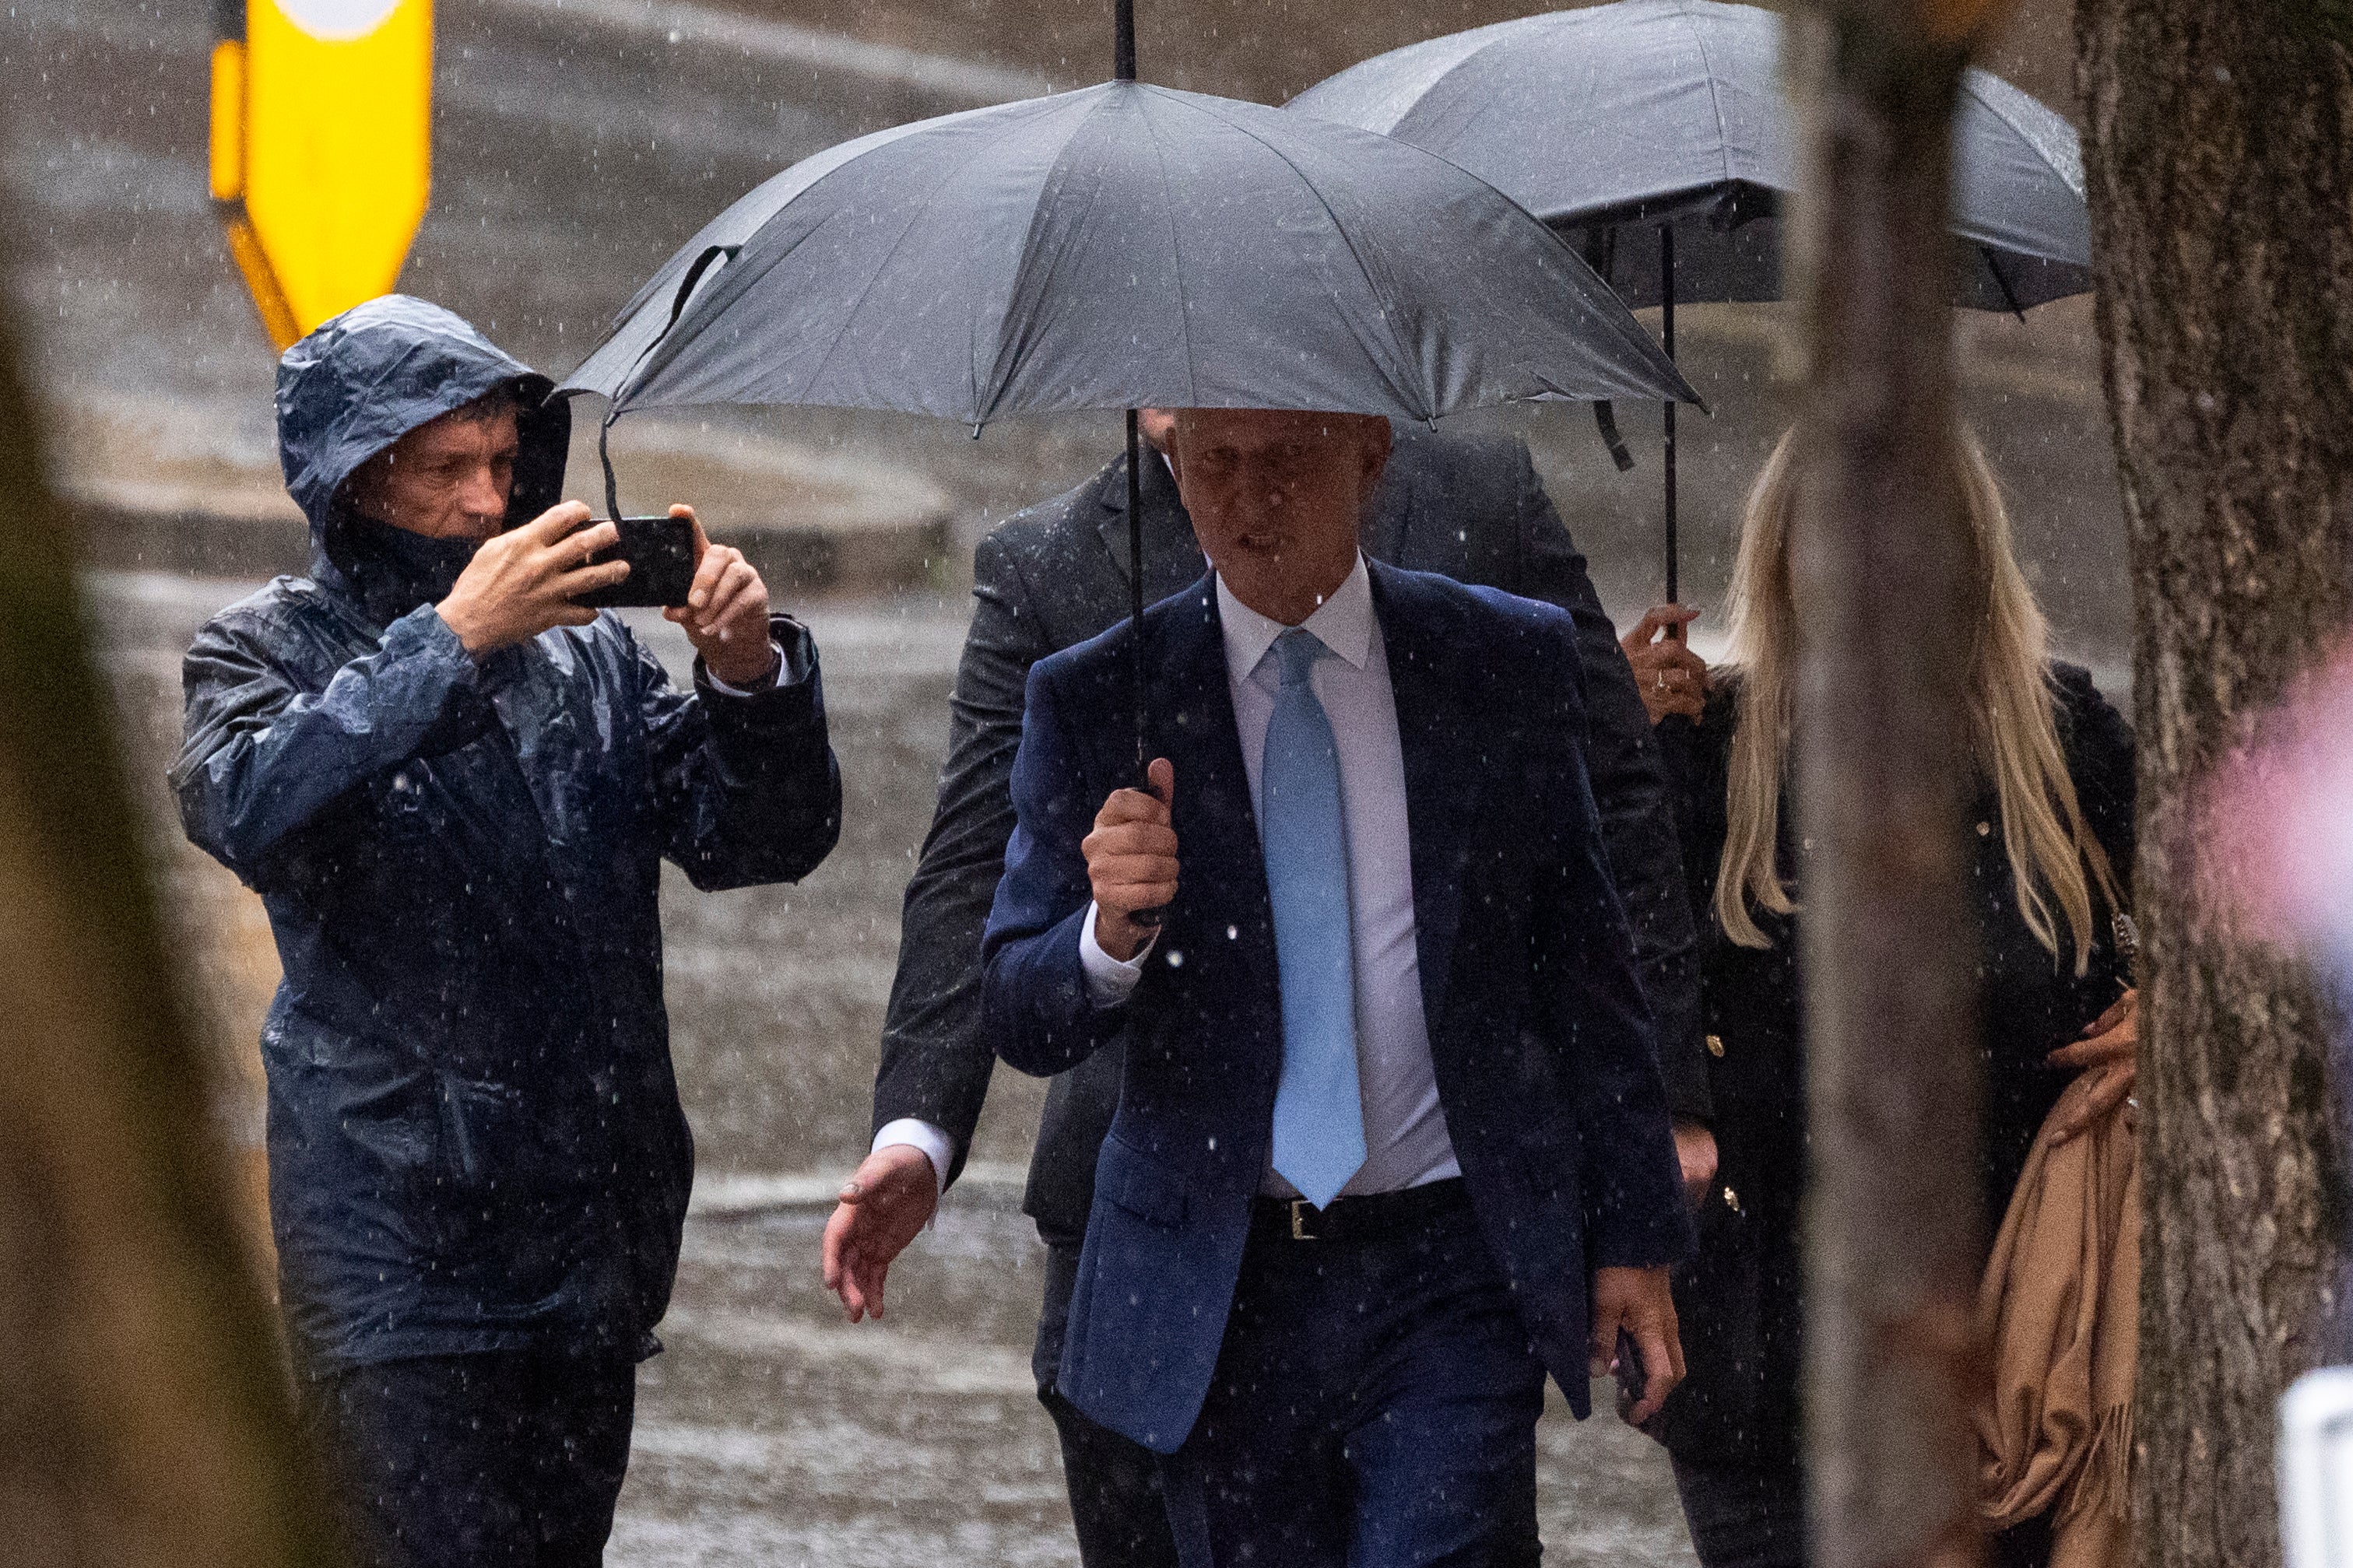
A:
1406, 1141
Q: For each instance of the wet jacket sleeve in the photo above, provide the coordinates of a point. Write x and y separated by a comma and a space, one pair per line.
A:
1631, 787
263, 754
936, 1063
745, 786
1036, 1012
1600, 1026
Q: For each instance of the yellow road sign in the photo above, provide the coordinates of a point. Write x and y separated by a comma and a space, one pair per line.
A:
322, 149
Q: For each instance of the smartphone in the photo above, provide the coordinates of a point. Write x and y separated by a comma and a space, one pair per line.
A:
1633, 1380
660, 553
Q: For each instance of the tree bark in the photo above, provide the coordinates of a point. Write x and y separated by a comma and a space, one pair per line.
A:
1880, 559
2219, 152
142, 1405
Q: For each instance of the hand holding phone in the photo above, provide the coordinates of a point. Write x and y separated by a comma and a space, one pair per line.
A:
724, 612
1633, 1382
528, 579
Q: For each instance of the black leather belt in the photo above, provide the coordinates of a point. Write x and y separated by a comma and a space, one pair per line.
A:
1379, 1216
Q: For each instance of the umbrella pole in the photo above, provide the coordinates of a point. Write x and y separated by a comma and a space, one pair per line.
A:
1135, 590
1148, 919
1667, 324
1123, 54
1124, 69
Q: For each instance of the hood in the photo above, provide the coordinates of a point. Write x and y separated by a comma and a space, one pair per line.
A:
367, 377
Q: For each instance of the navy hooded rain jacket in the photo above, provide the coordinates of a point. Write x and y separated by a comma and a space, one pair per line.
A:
475, 1136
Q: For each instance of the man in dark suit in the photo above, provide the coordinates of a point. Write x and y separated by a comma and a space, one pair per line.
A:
1391, 1141
1471, 509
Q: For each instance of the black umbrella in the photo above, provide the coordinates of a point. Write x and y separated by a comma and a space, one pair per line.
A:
1119, 247
1656, 135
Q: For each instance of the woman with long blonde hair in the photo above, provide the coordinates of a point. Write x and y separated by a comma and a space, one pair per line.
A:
2053, 826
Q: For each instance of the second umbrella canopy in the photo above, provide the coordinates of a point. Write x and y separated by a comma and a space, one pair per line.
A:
1640, 113
1657, 136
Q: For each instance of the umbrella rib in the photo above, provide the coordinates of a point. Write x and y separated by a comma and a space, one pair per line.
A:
999, 378
1346, 237
2033, 142
1715, 98
1177, 250
875, 277
1504, 40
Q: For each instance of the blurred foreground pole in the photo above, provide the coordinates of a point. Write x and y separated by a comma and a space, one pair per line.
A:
143, 1406
2219, 151
1880, 559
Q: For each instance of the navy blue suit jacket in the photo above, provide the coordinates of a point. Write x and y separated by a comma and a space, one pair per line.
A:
1538, 1033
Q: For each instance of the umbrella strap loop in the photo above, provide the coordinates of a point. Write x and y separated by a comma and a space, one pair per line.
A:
1604, 419
722, 254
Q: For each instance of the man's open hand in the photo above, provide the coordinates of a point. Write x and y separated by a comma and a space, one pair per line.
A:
726, 612
523, 580
883, 1206
1638, 1300
1131, 860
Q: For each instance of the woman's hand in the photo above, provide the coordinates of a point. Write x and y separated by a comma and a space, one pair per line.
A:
2109, 1053
1672, 678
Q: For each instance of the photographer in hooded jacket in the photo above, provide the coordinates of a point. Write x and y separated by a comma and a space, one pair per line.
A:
453, 787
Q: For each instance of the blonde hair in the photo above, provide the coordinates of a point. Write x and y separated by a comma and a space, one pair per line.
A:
2013, 733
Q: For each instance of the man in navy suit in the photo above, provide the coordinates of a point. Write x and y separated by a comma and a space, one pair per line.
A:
1391, 1141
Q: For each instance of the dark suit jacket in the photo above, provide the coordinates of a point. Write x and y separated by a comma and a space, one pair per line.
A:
1057, 574
1539, 1031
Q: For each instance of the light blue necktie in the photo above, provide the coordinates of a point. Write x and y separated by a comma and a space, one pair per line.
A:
1319, 1112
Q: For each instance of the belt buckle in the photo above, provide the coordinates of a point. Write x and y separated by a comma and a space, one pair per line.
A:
1300, 1208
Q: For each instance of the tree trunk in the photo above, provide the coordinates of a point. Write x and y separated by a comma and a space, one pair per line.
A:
2220, 159
1880, 558
143, 1404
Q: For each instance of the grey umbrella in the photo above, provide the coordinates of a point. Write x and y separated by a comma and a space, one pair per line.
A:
1655, 134
1124, 245
1118, 246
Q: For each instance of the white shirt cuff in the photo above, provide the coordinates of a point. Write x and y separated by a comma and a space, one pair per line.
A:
782, 668
1109, 981
914, 1133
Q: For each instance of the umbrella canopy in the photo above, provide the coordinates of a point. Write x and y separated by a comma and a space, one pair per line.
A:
1121, 246
1611, 121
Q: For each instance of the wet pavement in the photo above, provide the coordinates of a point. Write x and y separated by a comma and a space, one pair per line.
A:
772, 1432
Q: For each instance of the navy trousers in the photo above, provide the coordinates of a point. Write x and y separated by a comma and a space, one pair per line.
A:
1375, 1406
1116, 1507
502, 1459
